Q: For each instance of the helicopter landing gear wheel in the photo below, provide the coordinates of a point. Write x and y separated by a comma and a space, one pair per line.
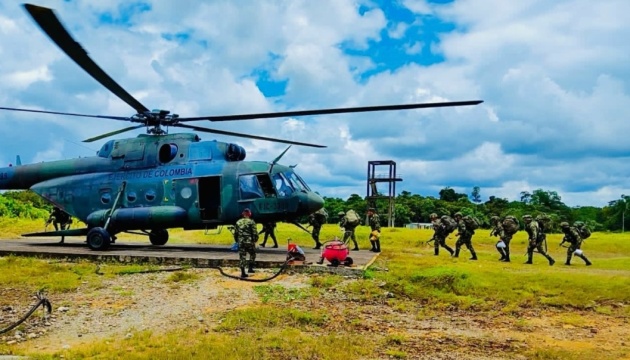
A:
335, 262
348, 261
98, 239
158, 237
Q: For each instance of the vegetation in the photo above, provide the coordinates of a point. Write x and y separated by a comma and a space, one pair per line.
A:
330, 312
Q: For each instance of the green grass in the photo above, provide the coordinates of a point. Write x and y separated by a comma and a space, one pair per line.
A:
422, 285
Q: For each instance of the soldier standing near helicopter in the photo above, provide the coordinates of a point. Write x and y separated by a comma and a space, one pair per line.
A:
247, 236
375, 227
269, 229
60, 219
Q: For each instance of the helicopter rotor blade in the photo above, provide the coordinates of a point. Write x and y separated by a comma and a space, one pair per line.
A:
69, 114
52, 26
331, 111
256, 137
102, 136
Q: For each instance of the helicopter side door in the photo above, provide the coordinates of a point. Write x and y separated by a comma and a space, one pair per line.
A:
209, 189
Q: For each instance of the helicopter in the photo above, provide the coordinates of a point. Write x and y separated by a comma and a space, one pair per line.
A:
158, 181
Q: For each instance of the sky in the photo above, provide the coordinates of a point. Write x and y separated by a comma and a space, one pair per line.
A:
554, 77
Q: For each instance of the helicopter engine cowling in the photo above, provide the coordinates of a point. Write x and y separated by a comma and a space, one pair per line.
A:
141, 217
235, 153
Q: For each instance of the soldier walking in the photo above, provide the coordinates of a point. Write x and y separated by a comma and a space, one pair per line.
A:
269, 229
536, 240
316, 220
349, 222
375, 227
572, 236
465, 237
440, 233
504, 229
247, 236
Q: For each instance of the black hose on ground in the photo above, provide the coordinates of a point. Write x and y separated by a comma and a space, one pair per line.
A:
43, 301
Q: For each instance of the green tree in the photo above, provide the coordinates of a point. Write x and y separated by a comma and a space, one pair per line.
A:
475, 195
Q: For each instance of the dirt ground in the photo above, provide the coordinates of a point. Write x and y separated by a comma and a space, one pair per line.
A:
151, 301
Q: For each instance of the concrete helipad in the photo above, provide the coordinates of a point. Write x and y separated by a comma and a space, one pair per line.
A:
180, 254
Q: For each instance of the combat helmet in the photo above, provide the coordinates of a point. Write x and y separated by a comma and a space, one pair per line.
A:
527, 217
433, 215
564, 224
341, 213
495, 219
458, 214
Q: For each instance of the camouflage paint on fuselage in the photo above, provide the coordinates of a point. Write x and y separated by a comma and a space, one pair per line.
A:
170, 181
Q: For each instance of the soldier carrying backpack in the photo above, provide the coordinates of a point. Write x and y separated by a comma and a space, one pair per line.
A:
349, 221
466, 229
504, 229
441, 228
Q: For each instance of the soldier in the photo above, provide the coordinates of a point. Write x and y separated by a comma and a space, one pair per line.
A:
375, 227
60, 219
536, 240
247, 236
349, 221
465, 237
316, 220
439, 235
269, 230
504, 229
572, 236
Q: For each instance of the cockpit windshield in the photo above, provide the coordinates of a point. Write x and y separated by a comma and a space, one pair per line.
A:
282, 185
296, 181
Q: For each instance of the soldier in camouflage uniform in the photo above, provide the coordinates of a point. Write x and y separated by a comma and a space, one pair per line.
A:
465, 237
572, 236
246, 235
439, 235
375, 230
269, 228
536, 240
314, 221
348, 230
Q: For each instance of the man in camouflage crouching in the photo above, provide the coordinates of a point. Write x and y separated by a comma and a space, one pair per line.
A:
246, 235
572, 236
536, 240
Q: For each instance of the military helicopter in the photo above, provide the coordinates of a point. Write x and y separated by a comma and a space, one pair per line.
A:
159, 181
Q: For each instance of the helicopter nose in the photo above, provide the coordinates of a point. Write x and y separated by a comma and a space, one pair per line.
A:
312, 202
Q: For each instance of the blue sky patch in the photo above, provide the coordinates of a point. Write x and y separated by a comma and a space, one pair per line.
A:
125, 13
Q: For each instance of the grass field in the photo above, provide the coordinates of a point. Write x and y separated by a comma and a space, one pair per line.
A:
410, 304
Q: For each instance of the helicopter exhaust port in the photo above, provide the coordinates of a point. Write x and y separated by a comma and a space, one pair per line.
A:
235, 153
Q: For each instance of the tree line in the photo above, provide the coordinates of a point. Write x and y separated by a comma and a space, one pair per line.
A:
414, 208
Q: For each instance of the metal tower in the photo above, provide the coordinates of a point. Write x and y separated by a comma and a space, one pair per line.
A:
388, 177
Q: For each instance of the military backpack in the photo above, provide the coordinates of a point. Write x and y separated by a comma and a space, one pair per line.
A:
352, 218
471, 222
584, 231
321, 216
449, 224
510, 225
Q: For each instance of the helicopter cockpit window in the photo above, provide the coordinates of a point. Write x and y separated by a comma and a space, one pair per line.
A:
296, 181
200, 151
250, 187
283, 187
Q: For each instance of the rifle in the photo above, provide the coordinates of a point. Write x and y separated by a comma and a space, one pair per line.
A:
494, 231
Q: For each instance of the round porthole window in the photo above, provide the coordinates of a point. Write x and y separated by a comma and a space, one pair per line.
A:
131, 196
106, 198
150, 195
186, 193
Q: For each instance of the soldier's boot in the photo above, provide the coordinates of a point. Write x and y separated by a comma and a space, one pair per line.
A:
436, 252
507, 255
243, 274
62, 239
500, 250
378, 246
474, 255
275, 244
318, 245
448, 248
551, 260
530, 255
568, 260
321, 261
373, 249
456, 252
251, 269
263, 243
588, 263
356, 245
